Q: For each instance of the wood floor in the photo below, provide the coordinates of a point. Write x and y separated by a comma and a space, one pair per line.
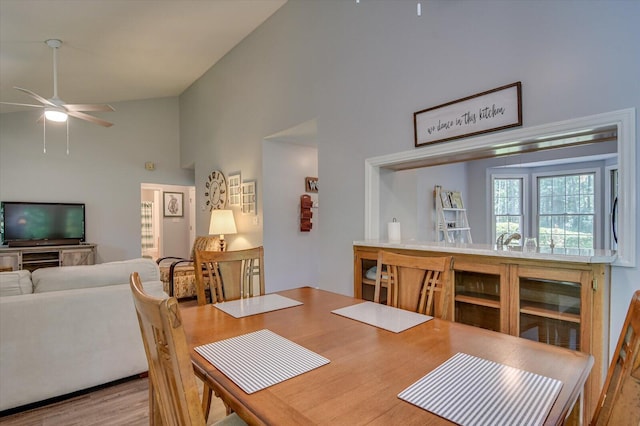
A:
121, 404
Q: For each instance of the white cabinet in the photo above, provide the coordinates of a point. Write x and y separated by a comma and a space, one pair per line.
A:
32, 258
9, 261
80, 256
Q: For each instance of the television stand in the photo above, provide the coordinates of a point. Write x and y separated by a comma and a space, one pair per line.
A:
34, 257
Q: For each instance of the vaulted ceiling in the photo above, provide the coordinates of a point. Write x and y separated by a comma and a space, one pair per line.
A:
118, 50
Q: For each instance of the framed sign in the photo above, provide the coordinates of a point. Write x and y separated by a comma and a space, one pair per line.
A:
485, 112
311, 184
173, 204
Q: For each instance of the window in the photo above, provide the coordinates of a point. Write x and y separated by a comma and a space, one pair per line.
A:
566, 210
508, 196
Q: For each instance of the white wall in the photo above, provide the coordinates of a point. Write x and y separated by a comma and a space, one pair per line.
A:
407, 196
363, 69
104, 168
291, 256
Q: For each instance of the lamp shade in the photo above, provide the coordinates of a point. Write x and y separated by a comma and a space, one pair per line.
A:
222, 222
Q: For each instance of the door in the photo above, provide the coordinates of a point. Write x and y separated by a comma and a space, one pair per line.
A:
552, 306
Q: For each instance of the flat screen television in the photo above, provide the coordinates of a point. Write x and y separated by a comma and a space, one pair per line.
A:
33, 224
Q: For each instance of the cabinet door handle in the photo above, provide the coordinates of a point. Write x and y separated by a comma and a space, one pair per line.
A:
614, 224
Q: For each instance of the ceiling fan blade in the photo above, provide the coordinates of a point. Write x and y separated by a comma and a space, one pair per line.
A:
25, 105
88, 107
87, 117
36, 97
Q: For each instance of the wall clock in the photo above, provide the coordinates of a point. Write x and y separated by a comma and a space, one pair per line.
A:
216, 190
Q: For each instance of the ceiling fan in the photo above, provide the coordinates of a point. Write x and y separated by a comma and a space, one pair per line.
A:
55, 109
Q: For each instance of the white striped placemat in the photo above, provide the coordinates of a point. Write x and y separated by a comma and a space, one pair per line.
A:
256, 305
260, 359
383, 316
469, 391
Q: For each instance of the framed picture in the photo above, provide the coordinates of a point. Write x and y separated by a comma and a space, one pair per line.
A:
311, 184
456, 200
235, 189
249, 197
484, 112
173, 204
446, 201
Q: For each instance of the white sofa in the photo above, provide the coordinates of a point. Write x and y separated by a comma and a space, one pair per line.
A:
70, 328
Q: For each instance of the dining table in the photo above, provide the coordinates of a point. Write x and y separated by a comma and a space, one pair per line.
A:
368, 366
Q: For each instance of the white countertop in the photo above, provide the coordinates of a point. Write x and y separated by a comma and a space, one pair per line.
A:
541, 253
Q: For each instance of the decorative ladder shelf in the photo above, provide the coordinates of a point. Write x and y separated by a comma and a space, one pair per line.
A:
452, 224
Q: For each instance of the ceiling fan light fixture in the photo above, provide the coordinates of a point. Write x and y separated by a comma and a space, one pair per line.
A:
55, 109
55, 114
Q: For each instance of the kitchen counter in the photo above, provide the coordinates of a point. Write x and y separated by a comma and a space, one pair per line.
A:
541, 253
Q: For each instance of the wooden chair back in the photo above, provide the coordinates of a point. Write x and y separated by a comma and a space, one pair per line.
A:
234, 273
619, 401
416, 283
173, 393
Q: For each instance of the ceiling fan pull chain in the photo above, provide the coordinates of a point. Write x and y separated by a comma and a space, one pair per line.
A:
67, 137
44, 136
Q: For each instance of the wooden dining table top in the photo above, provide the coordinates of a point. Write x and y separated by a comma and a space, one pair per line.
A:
368, 366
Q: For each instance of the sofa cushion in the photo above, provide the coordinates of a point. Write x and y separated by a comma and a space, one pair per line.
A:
86, 276
15, 282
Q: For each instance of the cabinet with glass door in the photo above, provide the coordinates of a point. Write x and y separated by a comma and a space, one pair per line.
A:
552, 306
480, 295
556, 306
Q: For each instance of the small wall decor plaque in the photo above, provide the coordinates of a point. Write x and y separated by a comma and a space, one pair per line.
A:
235, 189
484, 112
311, 184
249, 197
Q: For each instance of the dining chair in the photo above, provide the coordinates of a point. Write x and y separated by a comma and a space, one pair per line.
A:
173, 393
416, 283
178, 274
619, 401
236, 274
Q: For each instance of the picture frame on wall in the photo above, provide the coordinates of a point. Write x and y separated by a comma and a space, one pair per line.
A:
485, 112
311, 184
249, 198
173, 204
235, 189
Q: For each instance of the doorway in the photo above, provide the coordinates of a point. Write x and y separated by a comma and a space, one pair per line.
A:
150, 229
162, 235
288, 158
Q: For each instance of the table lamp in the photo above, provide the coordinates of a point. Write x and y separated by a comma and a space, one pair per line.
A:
221, 223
